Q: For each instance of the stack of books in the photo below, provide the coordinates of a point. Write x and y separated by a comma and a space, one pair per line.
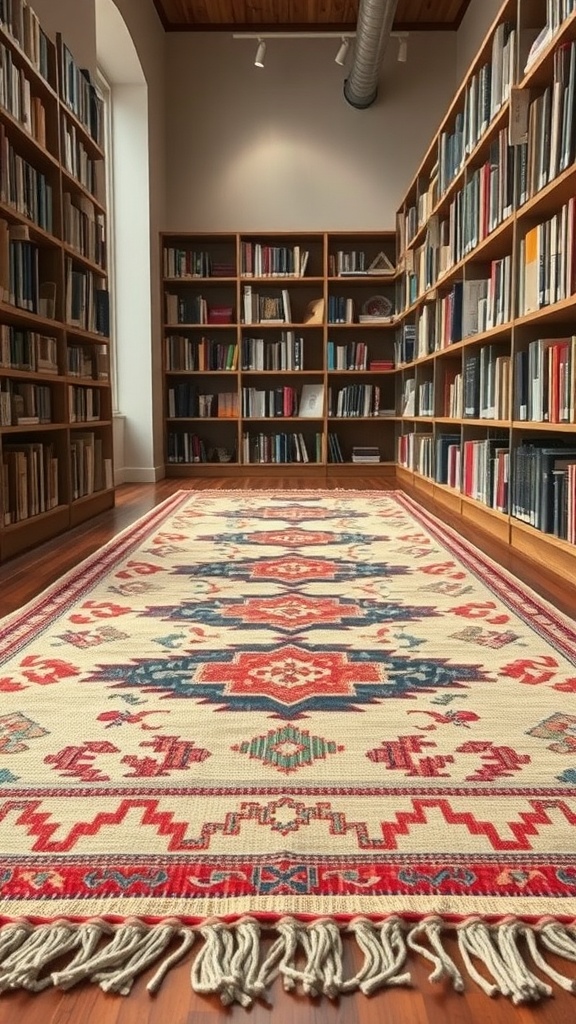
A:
365, 453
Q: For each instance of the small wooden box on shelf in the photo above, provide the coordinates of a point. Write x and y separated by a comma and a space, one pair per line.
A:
273, 352
55, 404
486, 348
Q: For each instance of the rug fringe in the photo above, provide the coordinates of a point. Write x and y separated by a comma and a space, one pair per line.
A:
499, 958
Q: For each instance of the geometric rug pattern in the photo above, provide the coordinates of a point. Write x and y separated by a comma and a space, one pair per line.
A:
316, 704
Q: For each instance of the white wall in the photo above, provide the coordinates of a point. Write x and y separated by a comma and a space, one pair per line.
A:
474, 28
279, 148
139, 364
140, 393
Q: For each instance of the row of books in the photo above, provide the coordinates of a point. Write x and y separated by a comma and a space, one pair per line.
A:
185, 262
416, 452
19, 268
477, 209
186, 308
356, 262
17, 98
185, 447
487, 90
24, 403
404, 344
84, 404
486, 384
191, 354
278, 401
548, 261
267, 308
485, 471
479, 469
27, 350
23, 186
281, 448
545, 381
20, 21
259, 260
90, 361
75, 157
90, 469
185, 401
350, 356
355, 400
447, 461
542, 489
478, 306
84, 227
87, 301
556, 13
551, 144
29, 480
285, 353
81, 95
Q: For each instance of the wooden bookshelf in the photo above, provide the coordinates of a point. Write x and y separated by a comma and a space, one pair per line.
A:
278, 315
55, 393
486, 349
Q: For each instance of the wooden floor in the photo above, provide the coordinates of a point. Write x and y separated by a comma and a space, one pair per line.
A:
20, 580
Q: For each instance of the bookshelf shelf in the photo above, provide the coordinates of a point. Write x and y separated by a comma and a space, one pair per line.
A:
56, 459
280, 361
487, 328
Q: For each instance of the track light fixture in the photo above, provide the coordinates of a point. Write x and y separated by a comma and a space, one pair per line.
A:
260, 54
342, 54
340, 57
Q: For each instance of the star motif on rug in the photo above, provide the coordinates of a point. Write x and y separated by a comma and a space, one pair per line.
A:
292, 611
289, 675
291, 680
292, 568
287, 748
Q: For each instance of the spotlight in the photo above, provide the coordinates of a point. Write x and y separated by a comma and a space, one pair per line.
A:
260, 54
403, 48
340, 57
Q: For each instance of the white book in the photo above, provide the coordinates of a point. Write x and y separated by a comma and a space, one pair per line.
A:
311, 401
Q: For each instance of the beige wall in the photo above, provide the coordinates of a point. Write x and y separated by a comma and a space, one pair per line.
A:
76, 20
279, 148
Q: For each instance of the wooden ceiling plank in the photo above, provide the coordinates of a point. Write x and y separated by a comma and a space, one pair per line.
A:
301, 15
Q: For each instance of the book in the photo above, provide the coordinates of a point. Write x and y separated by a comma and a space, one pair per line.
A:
311, 401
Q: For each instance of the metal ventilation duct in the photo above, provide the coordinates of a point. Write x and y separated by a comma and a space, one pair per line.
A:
375, 20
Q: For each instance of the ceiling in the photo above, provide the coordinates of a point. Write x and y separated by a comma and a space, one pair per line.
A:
301, 15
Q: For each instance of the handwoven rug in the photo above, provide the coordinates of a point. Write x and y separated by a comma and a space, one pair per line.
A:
255, 722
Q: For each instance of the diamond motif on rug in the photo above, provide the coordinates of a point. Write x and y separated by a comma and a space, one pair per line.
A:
288, 748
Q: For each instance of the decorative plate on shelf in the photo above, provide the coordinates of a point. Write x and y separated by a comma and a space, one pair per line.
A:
378, 305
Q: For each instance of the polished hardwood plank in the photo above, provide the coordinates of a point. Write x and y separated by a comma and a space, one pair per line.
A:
27, 575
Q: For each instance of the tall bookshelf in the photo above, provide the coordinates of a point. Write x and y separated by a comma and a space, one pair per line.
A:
486, 346
279, 352
55, 396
